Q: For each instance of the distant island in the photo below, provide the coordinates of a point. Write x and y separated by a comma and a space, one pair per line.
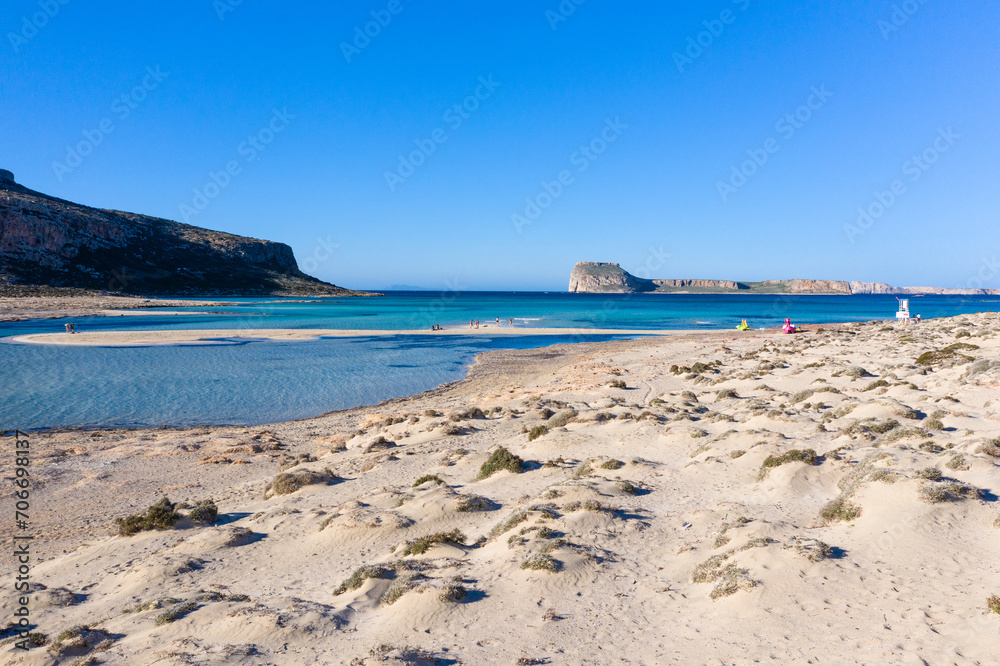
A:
592, 277
58, 245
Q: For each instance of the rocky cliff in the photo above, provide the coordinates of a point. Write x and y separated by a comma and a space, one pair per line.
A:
49, 241
596, 277
803, 286
883, 288
696, 284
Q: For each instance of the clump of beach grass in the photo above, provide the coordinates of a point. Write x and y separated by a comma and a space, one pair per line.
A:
612, 464
360, 575
204, 512
958, 462
473, 503
993, 603
855, 372
81, 638
380, 443
159, 516
453, 591
990, 448
949, 491
537, 432
541, 562
562, 418
626, 487
468, 414
287, 483
729, 577
424, 543
508, 524
878, 383
501, 459
807, 456
175, 613
427, 478
839, 509
802, 395
930, 474
812, 549
399, 587
32, 639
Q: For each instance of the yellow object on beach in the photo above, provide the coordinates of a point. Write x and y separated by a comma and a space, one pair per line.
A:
744, 326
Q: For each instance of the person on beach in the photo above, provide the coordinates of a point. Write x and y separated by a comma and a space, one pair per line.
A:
498, 321
470, 323
67, 328
72, 327
511, 322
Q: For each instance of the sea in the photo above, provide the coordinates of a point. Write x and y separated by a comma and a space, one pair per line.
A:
255, 382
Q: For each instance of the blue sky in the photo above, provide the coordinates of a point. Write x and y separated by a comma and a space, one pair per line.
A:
723, 139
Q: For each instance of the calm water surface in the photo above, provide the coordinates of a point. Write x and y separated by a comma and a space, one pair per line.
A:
255, 382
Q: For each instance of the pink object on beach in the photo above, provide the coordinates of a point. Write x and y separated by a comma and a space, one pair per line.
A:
788, 328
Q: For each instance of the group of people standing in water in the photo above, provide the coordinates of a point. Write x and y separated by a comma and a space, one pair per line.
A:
474, 323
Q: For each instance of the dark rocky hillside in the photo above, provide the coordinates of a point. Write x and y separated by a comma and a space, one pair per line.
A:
56, 243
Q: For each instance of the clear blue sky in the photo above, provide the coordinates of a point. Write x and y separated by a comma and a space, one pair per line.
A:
898, 88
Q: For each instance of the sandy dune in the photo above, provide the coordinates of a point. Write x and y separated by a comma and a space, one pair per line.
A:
57, 307
820, 498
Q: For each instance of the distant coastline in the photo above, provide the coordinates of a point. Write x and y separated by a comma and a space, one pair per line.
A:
593, 277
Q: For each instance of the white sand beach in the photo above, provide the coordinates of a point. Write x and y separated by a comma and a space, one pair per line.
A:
700, 499
23, 308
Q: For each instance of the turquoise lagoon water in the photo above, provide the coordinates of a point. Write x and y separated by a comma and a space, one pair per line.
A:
256, 382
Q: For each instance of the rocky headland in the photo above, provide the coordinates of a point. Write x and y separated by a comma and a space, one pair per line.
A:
599, 277
45, 241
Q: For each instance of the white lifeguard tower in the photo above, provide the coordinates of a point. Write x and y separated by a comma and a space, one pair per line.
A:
904, 310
